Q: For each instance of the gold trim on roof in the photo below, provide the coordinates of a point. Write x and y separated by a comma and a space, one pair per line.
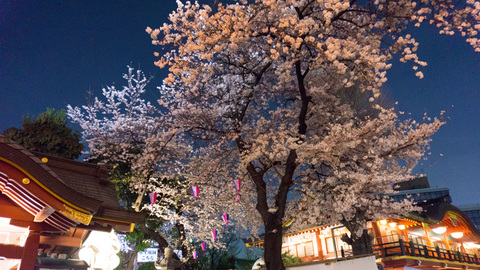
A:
76, 215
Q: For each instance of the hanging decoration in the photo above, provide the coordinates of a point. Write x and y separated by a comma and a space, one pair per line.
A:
195, 255
153, 197
214, 235
204, 247
237, 183
195, 190
225, 219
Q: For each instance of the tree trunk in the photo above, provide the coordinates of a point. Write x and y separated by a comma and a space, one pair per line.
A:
362, 245
272, 220
151, 234
131, 261
273, 245
138, 201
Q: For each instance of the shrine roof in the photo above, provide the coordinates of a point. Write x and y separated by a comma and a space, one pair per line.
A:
78, 184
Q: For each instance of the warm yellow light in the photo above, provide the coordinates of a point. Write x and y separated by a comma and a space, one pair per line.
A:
439, 230
392, 224
114, 261
401, 227
87, 254
383, 222
4, 221
457, 235
100, 250
471, 245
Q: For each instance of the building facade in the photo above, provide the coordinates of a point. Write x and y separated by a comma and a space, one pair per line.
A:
440, 237
49, 205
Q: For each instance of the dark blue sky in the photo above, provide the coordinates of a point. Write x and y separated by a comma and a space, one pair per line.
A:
53, 52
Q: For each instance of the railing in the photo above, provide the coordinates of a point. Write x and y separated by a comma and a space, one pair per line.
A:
402, 248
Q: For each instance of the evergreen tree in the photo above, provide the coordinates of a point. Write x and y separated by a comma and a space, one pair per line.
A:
48, 134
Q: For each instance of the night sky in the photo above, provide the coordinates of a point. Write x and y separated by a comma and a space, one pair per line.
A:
53, 52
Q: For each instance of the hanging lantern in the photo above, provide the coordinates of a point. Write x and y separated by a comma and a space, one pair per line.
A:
195, 255
457, 235
214, 235
153, 197
439, 230
195, 190
237, 183
225, 219
204, 247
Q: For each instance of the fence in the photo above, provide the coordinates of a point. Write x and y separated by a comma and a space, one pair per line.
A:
403, 248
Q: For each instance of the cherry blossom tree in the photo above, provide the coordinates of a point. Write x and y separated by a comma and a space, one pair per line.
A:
239, 93
149, 154
126, 132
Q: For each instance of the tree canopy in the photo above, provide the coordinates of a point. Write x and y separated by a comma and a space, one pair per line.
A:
254, 93
48, 133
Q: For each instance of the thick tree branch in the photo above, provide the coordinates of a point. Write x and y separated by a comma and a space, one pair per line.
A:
302, 127
286, 182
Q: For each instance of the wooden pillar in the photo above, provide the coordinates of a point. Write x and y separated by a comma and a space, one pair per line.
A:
30, 250
447, 243
405, 234
427, 230
318, 240
377, 233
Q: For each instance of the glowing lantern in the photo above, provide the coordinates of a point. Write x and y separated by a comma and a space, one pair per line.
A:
383, 222
457, 235
87, 254
392, 224
439, 230
195, 255
401, 227
100, 249
195, 190
214, 235
237, 183
153, 198
225, 219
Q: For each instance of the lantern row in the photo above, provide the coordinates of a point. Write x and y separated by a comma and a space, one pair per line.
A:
195, 190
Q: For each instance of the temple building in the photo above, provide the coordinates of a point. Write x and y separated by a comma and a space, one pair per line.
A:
48, 207
441, 236
473, 212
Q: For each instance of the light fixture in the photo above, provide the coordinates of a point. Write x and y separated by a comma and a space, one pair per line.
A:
471, 245
383, 222
457, 235
99, 250
87, 254
4, 221
401, 227
392, 224
439, 230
